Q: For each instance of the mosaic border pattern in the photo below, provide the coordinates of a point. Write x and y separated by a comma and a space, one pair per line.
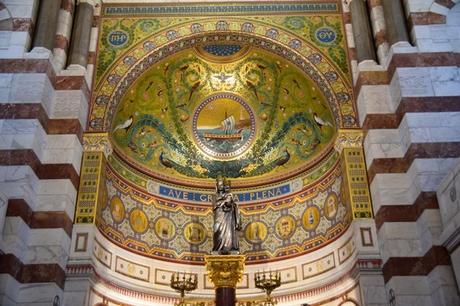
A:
222, 9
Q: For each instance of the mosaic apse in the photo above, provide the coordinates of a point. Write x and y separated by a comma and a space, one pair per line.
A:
188, 93
249, 117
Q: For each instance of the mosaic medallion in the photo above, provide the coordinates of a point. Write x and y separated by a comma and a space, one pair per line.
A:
310, 218
285, 226
330, 206
164, 228
138, 220
195, 233
256, 232
117, 209
223, 126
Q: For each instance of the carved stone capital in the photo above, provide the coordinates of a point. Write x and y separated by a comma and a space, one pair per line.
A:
97, 142
225, 270
349, 138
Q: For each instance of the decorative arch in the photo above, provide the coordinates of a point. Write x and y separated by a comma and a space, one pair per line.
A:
131, 64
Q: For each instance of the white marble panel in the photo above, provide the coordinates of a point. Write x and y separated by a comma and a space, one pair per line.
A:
373, 289
66, 104
21, 8
5, 37
455, 258
439, 9
443, 286
383, 144
414, 82
20, 182
404, 188
430, 228
418, 5
448, 195
35, 246
421, 32
36, 294
29, 134
409, 285
453, 18
31, 88
374, 99
9, 288
446, 81
75, 291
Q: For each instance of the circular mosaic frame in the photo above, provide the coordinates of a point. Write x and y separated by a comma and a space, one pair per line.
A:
206, 149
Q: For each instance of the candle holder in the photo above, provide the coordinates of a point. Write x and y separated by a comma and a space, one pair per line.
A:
183, 282
267, 281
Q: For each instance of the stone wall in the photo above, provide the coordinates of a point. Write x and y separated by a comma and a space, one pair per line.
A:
43, 111
408, 101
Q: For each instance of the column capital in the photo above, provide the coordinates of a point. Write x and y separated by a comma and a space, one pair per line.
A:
349, 138
225, 270
94, 3
97, 142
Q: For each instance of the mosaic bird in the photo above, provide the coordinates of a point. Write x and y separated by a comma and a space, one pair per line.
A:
321, 122
296, 83
165, 161
284, 158
253, 88
125, 125
192, 90
148, 86
132, 146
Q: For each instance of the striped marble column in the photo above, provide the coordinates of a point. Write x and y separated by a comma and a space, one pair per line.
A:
395, 20
362, 32
42, 115
81, 35
64, 30
46, 25
410, 109
378, 28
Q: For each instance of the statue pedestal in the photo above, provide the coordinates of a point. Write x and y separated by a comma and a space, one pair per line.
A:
225, 271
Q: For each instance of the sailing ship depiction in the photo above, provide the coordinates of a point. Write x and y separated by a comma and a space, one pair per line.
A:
230, 129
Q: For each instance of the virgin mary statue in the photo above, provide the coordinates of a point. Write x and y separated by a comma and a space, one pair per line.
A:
226, 220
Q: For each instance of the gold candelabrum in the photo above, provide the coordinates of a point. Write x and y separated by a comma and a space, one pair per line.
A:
183, 282
267, 281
